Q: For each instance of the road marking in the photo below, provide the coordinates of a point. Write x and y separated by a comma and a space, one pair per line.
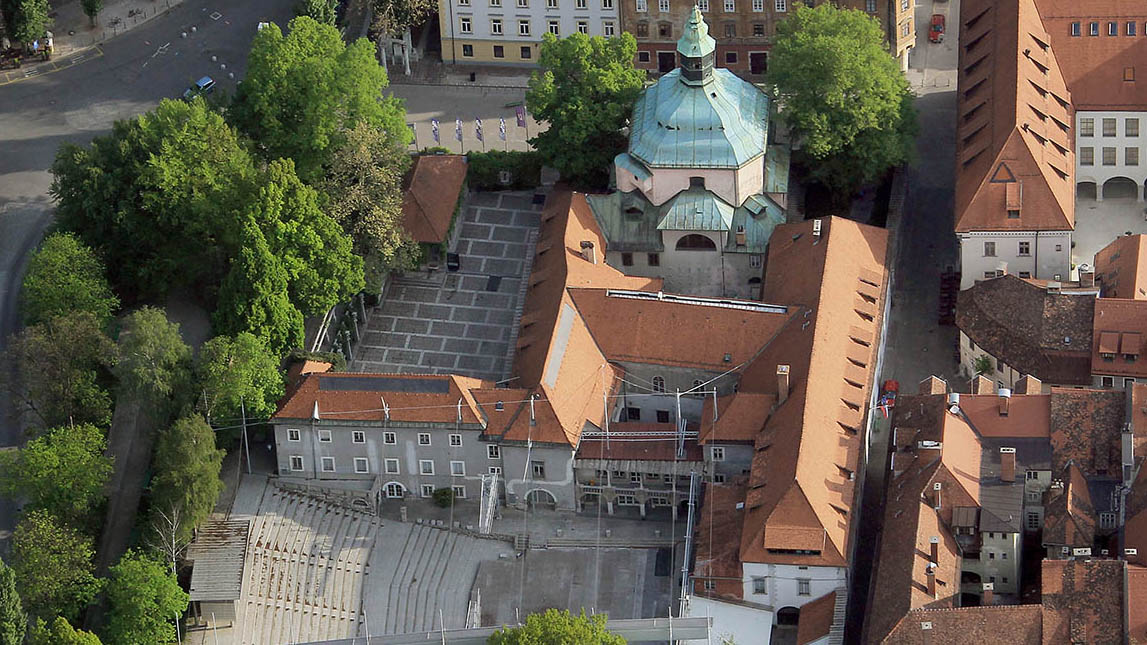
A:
53, 66
215, 15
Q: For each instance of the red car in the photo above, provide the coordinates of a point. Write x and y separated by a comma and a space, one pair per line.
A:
936, 32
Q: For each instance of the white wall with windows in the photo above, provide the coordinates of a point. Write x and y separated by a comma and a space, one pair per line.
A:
789, 585
1111, 146
732, 623
1027, 254
527, 20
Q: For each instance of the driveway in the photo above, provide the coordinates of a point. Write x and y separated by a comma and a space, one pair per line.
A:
460, 323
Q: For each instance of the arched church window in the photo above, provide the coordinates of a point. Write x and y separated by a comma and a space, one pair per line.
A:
695, 242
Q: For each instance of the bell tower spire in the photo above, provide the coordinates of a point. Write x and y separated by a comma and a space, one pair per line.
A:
696, 50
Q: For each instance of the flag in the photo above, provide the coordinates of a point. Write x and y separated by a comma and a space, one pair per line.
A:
520, 112
434, 130
458, 129
502, 129
478, 129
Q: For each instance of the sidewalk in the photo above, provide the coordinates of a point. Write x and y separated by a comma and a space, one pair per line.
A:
431, 71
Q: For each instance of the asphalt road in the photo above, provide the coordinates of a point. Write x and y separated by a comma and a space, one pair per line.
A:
75, 104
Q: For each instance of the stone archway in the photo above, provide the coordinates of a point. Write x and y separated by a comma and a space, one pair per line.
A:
1086, 190
1120, 188
541, 498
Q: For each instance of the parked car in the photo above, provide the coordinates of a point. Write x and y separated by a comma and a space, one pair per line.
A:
936, 32
453, 262
205, 85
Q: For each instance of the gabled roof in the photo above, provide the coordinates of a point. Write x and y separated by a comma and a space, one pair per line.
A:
1086, 428
1012, 624
430, 193
718, 540
1082, 601
1033, 330
1029, 415
347, 396
740, 417
816, 619
1123, 325
801, 487
1121, 267
1069, 515
1014, 137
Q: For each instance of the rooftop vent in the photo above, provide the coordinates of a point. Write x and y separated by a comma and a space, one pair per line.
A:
499, 406
816, 224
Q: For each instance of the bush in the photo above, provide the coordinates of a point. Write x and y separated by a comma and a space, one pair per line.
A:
337, 360
525, 170
443, 497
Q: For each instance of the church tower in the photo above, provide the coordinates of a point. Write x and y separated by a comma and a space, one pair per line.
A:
696, 50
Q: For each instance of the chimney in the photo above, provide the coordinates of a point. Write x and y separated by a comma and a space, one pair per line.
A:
982, 385
1029, 384
1086, 275
932, 385
937, 488
934, 548
926, 632
1005, 398
587, 252
931, 571
1007, 464
782, 384
989, 594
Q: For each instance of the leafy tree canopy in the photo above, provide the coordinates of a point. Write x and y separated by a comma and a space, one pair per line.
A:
842, 94
60, 632
63, 276
321, 11
239, 369
13, 620
304, 89
585, 90
53, 565
145, 599
63, 472
364, 195
29, 20
154, 360
555, 627
393, 16
62, 366
92, 8
186, 466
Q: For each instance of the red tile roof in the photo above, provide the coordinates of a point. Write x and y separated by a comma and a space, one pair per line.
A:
1117, 317
1029, 415
637, 447
361, 397
1087, 428
1137, 603
1082, 601
1069, 515
430, 194
740, 417
1014, 135
1121, 267
1012, 624
718, 539
816, 619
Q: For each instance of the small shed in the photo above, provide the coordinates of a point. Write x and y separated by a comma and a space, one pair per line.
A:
217, 555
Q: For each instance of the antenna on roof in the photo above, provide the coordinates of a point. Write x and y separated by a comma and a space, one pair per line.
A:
533, 419
385, 409
459, 409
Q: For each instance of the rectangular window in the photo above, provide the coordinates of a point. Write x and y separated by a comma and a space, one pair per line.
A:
424, 438
653, 259
1112, 29
804, 587
391, 467
717, 453
296, 462
1131, 127
1109, 126
527, 53
635, 478
324, 436
1025, 274
538, 469
1004, 556
465, 25
463, 3
493, 451
427, 490
1033, 521
495, 470
730, 32
781, 5
358, 436
1087, 156
459, 492
758, 6
703, 5
989, 249
642, 57
710, 585
455, 440
663, 6
1093, 28
663, 416
1107, 381
627, 259
1109, 156
1107, 520
328, 464
554, 27
389, 438
719, 478
1129, 74
496, 26
988, 275
991, 555
1025, 248
551, 4
458, 468
730, 6
523, 4
467, 51
664, 30
425, 467
607, 28
1075, 29
870, 6
607, 5
906, 28
523, 27
633, 414
1130, 28
760, 585
642, 6
1087, 127
1131, 156
1032, 474
581, 4
758, 29
582, 27
905, 5
361, 465
643, 32
292, 434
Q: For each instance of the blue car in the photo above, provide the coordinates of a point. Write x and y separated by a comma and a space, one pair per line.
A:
205, 85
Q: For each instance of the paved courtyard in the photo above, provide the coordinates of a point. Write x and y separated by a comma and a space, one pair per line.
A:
464, 322
1097, 224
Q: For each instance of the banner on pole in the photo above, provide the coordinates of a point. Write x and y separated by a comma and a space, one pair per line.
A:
434, 130
478, 129
458, 129
520, 112
502, 129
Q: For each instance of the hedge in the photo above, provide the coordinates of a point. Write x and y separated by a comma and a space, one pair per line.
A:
484, 168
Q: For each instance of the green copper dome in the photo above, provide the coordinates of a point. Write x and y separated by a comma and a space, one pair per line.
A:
696, 41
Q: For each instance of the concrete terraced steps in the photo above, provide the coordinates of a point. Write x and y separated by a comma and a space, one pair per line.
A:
420, 571
307, 562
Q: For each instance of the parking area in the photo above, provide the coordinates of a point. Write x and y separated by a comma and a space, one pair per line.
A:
461, 323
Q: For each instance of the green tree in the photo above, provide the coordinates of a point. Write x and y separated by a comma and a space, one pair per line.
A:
554, 627
92, 8
585, 90
322, 11
254, 297
186, 466
62, 368
29, 20
154, 360
53, 565
983, 365
60, 632
63, 276
364, 195
63, 472
239, 369
145, 599
303, 90
842, 95
322, 269
160, 198
13, 620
